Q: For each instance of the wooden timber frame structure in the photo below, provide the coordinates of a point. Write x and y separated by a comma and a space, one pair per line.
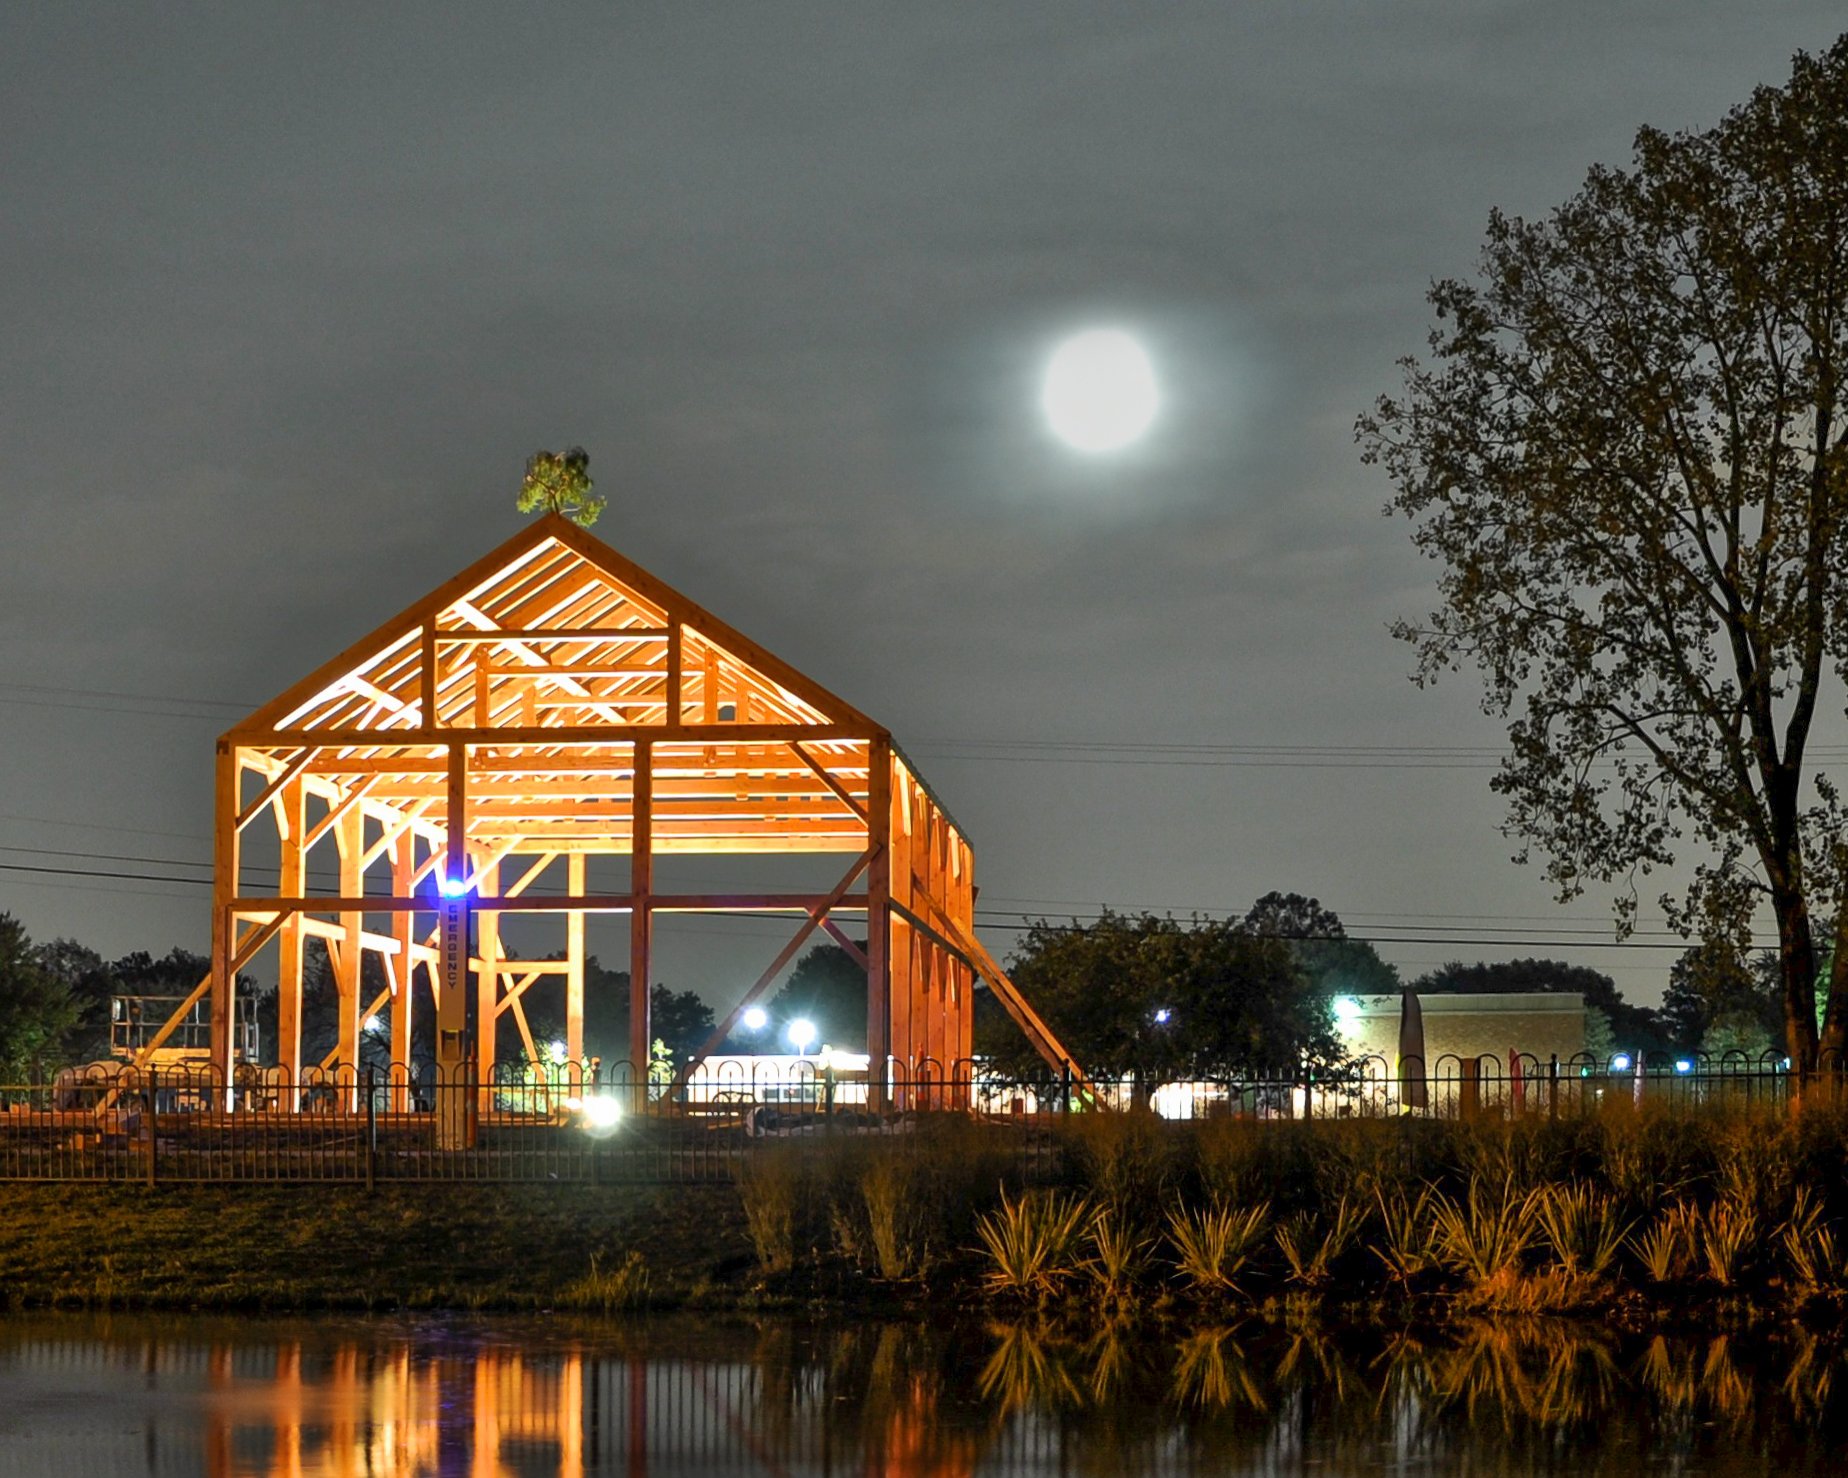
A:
551, 703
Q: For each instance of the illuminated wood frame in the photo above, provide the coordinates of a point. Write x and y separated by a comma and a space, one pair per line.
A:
552, 702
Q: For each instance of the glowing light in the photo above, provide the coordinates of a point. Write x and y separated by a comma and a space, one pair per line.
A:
1099, 394
452, 887
1682, 1065
1347, 1009
1621, 1062
756, 1019
599, 1115
558, 1051
373, 1024
1162, 1016
801, 1033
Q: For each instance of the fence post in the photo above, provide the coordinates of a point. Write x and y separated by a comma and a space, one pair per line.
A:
1552, 1087
372, 1131
1469, 1088
1065, 1086
827, 1090
153, 1124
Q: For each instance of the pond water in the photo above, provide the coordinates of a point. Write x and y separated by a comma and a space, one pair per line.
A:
671, 1396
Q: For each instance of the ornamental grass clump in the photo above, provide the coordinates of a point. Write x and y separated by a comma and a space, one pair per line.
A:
1584, 1228
1311, 1245
1214, 1244
1483, 1237
1728, 1233
896, 1195
1119, 1256
1034, 1244
1666, 1248
1407, 1242
1817, 1260
773, 1185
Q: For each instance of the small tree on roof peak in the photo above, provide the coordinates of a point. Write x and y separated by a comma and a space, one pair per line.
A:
559, 482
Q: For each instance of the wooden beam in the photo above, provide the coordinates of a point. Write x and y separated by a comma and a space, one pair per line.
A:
577, 635
847, 944
879, 925
641, 924
828, 780
576, 869
612, 733
275, 787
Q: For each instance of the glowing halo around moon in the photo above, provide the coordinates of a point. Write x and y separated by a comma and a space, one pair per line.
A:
1099, 394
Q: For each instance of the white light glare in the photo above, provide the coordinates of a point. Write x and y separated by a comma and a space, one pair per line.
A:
373, 1024
1621, 1062
756, 1019
801, 1034
1099, 394
1682, 1065
600, 1115
452, 887
1347, 1009
1161, 1016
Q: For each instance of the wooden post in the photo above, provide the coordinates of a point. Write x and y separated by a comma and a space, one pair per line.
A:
487, 984
404, 932
1469, 1087
289, 946
878, 922
349, 974
452, 976
641, 916
224, 929
575, 869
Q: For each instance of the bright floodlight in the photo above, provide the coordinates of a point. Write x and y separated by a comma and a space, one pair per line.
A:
1161, 1016
756, 1019
558, 1052
599, 1115
801, 1034
1099, 394
1683, 1065
451, 887
1621, 1062
1347, 1009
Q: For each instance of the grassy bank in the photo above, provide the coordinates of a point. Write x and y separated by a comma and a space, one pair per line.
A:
309, 1247
1643, 1216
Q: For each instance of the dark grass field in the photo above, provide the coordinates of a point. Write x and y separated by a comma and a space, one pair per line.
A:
305, 1247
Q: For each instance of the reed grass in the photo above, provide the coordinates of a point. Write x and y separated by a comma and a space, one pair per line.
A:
1311, 1245
1033, 1243
1214, 1244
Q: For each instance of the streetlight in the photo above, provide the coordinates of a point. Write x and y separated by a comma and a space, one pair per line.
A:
801, 1033
756, 1019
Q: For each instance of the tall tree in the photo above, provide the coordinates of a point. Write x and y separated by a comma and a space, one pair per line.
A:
1715, 983
1631, 460
37, 1010
559, 482
1152, 1000
1334, 962
827, 987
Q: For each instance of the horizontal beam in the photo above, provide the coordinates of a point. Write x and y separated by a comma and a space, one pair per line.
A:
592, 734
268, 908
544, 633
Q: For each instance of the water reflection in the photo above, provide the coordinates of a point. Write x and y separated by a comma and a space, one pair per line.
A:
683, 1396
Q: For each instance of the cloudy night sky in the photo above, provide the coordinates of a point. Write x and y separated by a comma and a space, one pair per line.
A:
290, 293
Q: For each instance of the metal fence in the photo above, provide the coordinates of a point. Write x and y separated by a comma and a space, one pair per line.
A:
584, 1122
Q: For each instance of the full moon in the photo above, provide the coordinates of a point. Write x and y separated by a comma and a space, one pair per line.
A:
1099, 394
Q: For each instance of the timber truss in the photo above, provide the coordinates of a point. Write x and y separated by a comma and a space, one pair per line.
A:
551, 703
